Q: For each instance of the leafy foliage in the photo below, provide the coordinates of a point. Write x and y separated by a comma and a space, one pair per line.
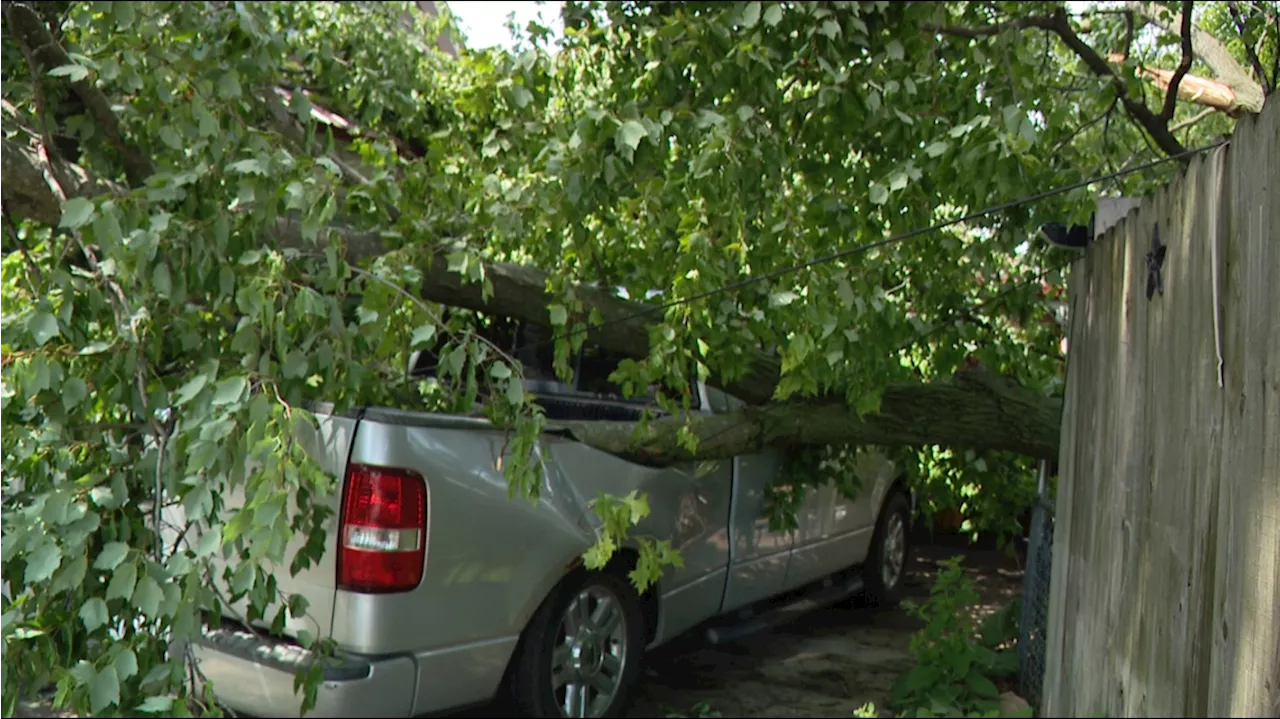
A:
165, 332
954, 662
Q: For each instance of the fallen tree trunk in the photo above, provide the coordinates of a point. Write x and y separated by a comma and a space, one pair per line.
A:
977, 410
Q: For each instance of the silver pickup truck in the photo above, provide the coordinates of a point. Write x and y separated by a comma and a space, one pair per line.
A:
440, 592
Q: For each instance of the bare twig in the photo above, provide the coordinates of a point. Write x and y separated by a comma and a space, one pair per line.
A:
1171, 94
1105, 116
1184, 124
1128, 31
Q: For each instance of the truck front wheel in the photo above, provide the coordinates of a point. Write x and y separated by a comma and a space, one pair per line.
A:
581, 653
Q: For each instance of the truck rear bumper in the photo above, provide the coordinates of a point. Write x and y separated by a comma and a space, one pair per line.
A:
254, 675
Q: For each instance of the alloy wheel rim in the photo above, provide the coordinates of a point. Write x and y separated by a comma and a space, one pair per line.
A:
590, 653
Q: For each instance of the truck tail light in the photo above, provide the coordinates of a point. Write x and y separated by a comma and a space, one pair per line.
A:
382, 531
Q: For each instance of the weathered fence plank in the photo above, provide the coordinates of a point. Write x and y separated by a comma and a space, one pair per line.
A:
1165, 594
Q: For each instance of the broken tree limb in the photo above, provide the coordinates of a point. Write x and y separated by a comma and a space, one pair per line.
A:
978, 410
1192, 88
1247, 94
1059, 23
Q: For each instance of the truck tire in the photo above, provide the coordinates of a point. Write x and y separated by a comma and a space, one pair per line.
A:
580, 654
889, 555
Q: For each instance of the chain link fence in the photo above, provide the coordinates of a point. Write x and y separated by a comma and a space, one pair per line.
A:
1035, 596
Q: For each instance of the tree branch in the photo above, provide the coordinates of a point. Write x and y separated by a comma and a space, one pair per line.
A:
978, 409
1156, 127
1249, 48
1184, 66
1059, 23
34, 37
1248, 94
1040, 21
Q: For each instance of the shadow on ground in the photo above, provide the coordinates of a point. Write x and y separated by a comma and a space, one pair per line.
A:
827, 663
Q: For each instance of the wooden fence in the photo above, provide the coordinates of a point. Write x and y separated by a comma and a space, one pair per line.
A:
1165, 590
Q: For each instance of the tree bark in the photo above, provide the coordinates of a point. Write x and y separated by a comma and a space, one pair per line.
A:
977, 410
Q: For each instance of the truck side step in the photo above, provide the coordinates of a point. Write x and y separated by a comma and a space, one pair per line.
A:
823, 594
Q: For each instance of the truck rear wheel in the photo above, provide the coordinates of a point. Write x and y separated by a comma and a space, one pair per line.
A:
581, 653
889, 555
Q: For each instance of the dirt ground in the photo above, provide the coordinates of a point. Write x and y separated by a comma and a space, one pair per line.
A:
827, 663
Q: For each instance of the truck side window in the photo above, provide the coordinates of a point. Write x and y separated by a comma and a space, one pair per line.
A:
722, 402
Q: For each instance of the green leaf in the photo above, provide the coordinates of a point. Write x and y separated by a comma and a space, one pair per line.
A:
295, 364
75, 73
423, 335
147, 597
188, 391
938, 148
500, 370
161, 280
42, 563
773, 14
74, 390
112, 554
229, 390
169, 137
515, 391
981, 685
229, 85
43, 327
126, 664
782, 299
844, 291
559, 315
298, 605
878, 194
156, 705
897, 181
122, 582
305, 638
247, 167
77, 212
210, 541
894, 50
830, 28
104, 690
243, 579
94, 613
750, 15
630, 134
